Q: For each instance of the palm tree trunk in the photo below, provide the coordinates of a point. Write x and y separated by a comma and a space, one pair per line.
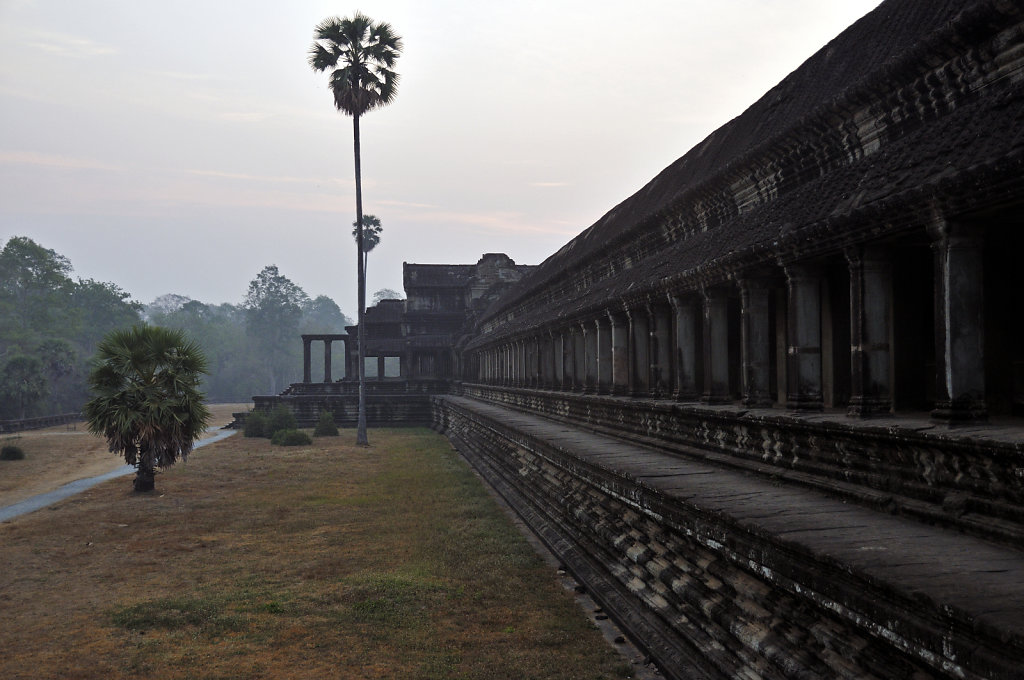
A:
361, 337
145, 476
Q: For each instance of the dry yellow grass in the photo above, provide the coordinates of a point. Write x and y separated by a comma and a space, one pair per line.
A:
57, 455
324, 561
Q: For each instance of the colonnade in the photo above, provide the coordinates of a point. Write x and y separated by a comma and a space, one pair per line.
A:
773, 335
328, 340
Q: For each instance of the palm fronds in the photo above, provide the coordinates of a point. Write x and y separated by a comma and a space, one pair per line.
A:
147, 404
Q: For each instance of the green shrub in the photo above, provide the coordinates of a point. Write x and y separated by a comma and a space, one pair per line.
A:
325, 427
256, 424
290, 438
12, 453
281, 418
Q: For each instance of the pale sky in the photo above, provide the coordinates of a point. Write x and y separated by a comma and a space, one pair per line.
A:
179, 147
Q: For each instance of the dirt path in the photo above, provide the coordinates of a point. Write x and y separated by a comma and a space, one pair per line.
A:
58, 455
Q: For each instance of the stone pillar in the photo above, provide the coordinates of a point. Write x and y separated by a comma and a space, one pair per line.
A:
351, 371
620, 352
959, 323
531, 362
509, 365
524, 363
756, 341
516, 350
566, 382
578, 359
716, 346
870, 331
327, 360
542, 360
589, 356
803, 359
687, 327
307, 371
603, 333
547, 367
661, 350
640, 341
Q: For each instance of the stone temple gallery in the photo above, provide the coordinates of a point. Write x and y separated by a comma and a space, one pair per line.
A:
769, 409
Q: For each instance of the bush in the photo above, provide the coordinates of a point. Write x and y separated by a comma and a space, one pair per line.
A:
12, 453
325, 427
281, 418
256, 424
290, 438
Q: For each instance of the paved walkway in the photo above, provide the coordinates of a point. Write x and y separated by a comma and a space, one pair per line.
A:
79, 485
982, 579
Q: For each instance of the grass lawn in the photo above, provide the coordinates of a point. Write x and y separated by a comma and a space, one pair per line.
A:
325, 561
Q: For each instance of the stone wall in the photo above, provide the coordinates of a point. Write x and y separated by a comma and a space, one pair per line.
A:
712, 596
972, 480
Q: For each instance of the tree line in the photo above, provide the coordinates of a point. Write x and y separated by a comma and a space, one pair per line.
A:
51, 324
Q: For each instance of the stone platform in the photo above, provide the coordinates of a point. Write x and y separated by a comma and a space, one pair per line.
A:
389, 402
725, 572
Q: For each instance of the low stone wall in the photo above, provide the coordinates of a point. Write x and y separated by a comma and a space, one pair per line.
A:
970, 478
7, 426
710, 597
391, 410
389, 402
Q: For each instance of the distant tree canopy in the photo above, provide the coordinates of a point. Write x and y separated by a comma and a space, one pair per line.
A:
273, 312
387, 294
49, 327
51, 324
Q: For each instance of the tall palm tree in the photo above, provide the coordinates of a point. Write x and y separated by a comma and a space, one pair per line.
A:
360, 54
147, 401
371, 237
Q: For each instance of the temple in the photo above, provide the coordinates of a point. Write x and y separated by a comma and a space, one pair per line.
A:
769, 409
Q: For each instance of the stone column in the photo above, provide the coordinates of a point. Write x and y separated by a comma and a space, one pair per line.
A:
716, 346
620, 352
307, 371
687, 327
640, 341
578, 358
542, 360
327, 360
755, 341
589, 356
351, 358
547, 367
870, 331
661, 350
517, 363
959, 323
603, 333
524, 363
531, 362
803, 359
509, 365
566, 335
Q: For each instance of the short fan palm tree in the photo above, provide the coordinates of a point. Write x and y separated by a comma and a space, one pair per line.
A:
147, 402
360, 55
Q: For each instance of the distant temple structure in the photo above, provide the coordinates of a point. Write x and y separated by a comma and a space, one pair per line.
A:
769, 409
413, 346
